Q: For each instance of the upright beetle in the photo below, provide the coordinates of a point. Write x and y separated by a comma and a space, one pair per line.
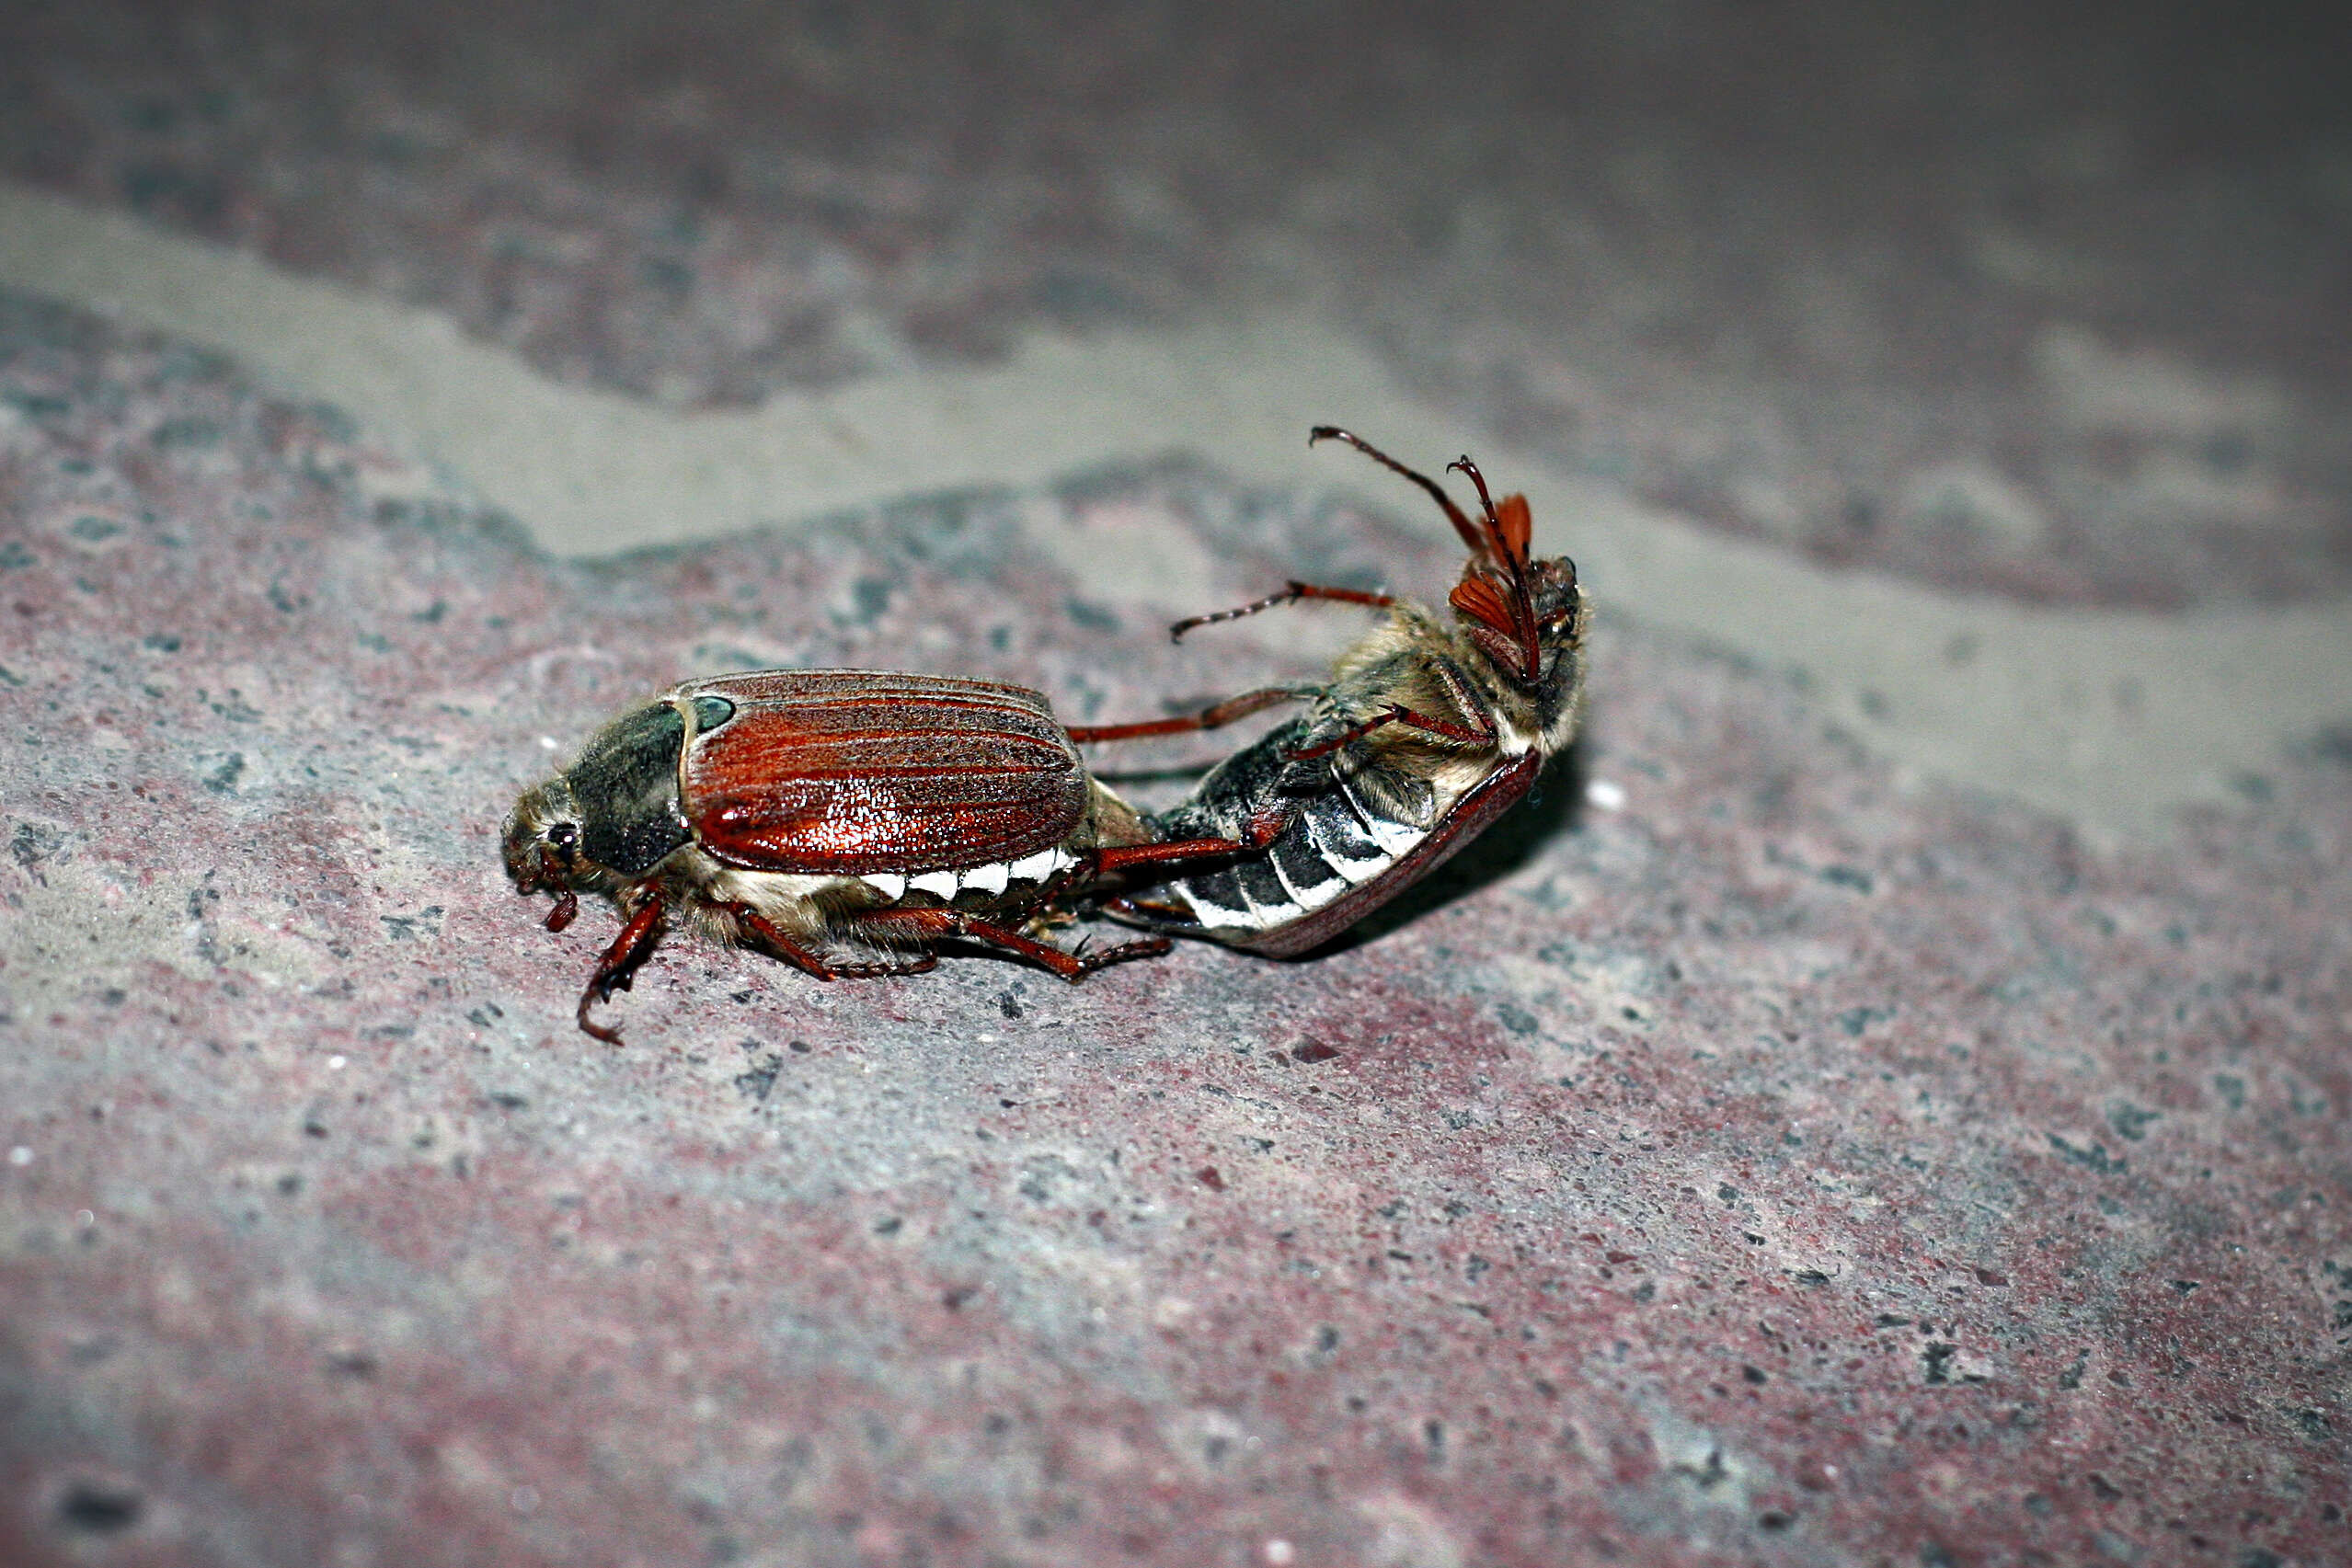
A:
1428, 730
802, 810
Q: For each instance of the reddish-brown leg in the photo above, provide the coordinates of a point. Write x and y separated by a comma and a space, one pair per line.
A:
909, 926
550, 875
1264, 829
1290, 594
1124, 953
775, 942
1222, 714
614, 970
807, 962
1463, 465
1142, 906
1461, 525
1394, 714
1127, 857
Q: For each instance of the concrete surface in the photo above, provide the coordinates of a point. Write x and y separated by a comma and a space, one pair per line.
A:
1868, 1111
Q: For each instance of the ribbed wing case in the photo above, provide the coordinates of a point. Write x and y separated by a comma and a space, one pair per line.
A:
847, 772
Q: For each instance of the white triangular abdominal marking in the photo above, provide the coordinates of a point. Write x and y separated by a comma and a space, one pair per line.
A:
1038, 866
1358, 870
990, 878
1266, 916
1209, 910
1306, 899
1393, 837
1252, 915
1330, 885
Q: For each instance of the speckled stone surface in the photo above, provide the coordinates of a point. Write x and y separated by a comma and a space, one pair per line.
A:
1777, 1168
1779, 1161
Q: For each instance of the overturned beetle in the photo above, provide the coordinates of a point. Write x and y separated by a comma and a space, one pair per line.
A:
1428, 730
807, 810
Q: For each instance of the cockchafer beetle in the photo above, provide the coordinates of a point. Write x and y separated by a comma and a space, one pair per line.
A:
1428, 730
799, 811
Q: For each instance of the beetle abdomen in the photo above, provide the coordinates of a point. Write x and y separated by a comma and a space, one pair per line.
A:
1349, 847
1337, 843
1345, 835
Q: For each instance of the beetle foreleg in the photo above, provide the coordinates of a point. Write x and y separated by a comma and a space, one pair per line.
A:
917, 925
614, 969
549, 874
1461, 525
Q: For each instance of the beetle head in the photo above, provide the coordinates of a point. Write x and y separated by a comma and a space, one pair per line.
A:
1523, 618
543, 847
1557, 606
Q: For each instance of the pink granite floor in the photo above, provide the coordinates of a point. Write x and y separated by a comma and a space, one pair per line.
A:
1794, 1165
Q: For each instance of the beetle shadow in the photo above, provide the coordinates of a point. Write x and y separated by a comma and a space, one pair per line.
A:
1555, 807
